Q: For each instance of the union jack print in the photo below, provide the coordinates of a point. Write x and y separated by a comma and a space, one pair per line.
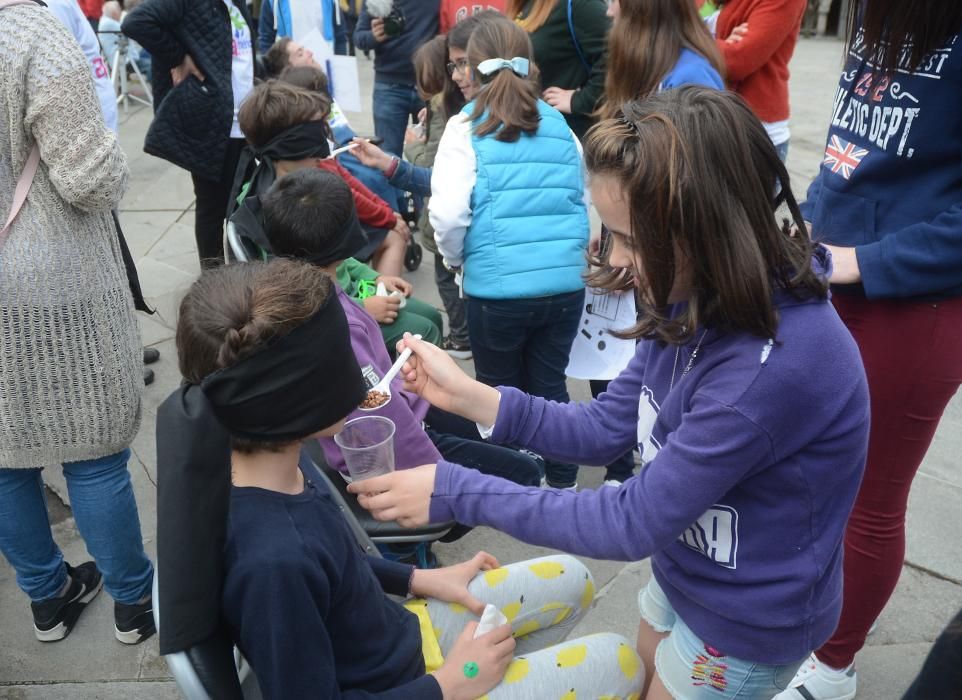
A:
843, 157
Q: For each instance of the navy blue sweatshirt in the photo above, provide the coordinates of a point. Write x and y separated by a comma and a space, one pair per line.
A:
308, 608
891, 179
392, 58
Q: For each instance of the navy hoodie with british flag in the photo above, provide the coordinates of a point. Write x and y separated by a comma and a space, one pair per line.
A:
891, 179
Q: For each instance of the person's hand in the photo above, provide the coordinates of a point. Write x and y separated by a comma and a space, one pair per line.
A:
395, 284
845, 268
178, 74
423, 115
559, 98
371, 155
383, 309
377, 29
404, 496
450, 584
738, 33
491, 653
412, 136
432, 374
401, 227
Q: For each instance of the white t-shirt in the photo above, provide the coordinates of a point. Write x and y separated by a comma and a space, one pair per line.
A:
68, 12
242, 65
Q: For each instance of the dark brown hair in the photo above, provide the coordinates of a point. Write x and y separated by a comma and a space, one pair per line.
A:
274, 106
230, 312
898, 34
458, 38
644, 45
537, 15
306, 77
699, 175
430, 66
509, 100
277, 59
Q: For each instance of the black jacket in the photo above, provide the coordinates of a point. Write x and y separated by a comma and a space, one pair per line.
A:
192, 121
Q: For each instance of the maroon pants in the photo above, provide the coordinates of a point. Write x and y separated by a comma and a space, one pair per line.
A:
912, 353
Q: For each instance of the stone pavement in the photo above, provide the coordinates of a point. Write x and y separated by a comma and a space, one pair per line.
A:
157, 215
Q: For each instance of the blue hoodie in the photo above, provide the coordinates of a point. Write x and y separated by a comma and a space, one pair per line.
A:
752, 464
891, 179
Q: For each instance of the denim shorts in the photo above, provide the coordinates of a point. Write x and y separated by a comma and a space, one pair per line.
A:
692, 670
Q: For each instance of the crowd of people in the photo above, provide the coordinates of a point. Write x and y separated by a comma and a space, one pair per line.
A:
814, 345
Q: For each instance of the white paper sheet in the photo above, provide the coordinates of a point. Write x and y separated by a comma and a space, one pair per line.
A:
595, 353
345, 84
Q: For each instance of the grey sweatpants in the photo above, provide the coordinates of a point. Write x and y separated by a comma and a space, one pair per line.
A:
544, 599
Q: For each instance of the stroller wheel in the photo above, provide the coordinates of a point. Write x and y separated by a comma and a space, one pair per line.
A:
413, 255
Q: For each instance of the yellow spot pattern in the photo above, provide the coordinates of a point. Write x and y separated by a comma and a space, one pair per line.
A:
457, 608
511, 610
570, 695
527, 628
517, 670
563, 612
588, 595
495, 576
547, 569
628, 660
572, 656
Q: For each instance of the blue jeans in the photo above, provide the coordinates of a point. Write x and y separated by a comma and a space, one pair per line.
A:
102, 500
622, 468
689, 668
458, 441
394, 106
525, 343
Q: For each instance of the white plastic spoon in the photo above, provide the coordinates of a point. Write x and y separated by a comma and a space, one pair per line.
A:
384, 386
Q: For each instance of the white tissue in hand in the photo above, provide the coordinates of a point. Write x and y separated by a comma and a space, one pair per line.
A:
383, 292
490, 618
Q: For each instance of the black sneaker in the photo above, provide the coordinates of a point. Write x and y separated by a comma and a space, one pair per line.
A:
53, 619
459, 351
134, 623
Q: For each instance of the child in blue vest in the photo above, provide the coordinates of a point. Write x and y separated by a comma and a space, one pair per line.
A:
508, 212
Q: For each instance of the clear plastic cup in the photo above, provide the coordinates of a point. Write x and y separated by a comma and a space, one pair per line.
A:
367, 444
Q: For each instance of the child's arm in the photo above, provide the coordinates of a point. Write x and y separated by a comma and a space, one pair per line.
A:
412, 178
714, 448
770, 23
452, 183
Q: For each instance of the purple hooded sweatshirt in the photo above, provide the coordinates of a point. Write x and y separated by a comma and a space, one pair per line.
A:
412, 446
752, 463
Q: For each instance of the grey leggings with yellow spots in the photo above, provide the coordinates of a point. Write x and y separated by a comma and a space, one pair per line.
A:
544, 599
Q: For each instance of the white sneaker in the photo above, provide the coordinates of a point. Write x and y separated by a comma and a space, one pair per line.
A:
612, 482
546, 485
816, 681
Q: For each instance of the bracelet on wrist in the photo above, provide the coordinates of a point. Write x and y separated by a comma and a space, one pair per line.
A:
392, 168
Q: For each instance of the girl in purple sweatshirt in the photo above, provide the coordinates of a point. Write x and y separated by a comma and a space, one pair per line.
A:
746, 397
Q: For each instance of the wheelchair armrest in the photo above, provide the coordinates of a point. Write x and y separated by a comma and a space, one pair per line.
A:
389, 532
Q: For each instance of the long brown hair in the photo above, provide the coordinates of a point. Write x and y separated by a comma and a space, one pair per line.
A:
645, 43
698, 172
537, 14
898, 34
509, 101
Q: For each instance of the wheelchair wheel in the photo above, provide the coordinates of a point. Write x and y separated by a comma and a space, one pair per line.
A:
413, 255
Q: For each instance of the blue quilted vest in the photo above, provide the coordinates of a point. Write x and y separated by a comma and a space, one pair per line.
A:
529, 226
